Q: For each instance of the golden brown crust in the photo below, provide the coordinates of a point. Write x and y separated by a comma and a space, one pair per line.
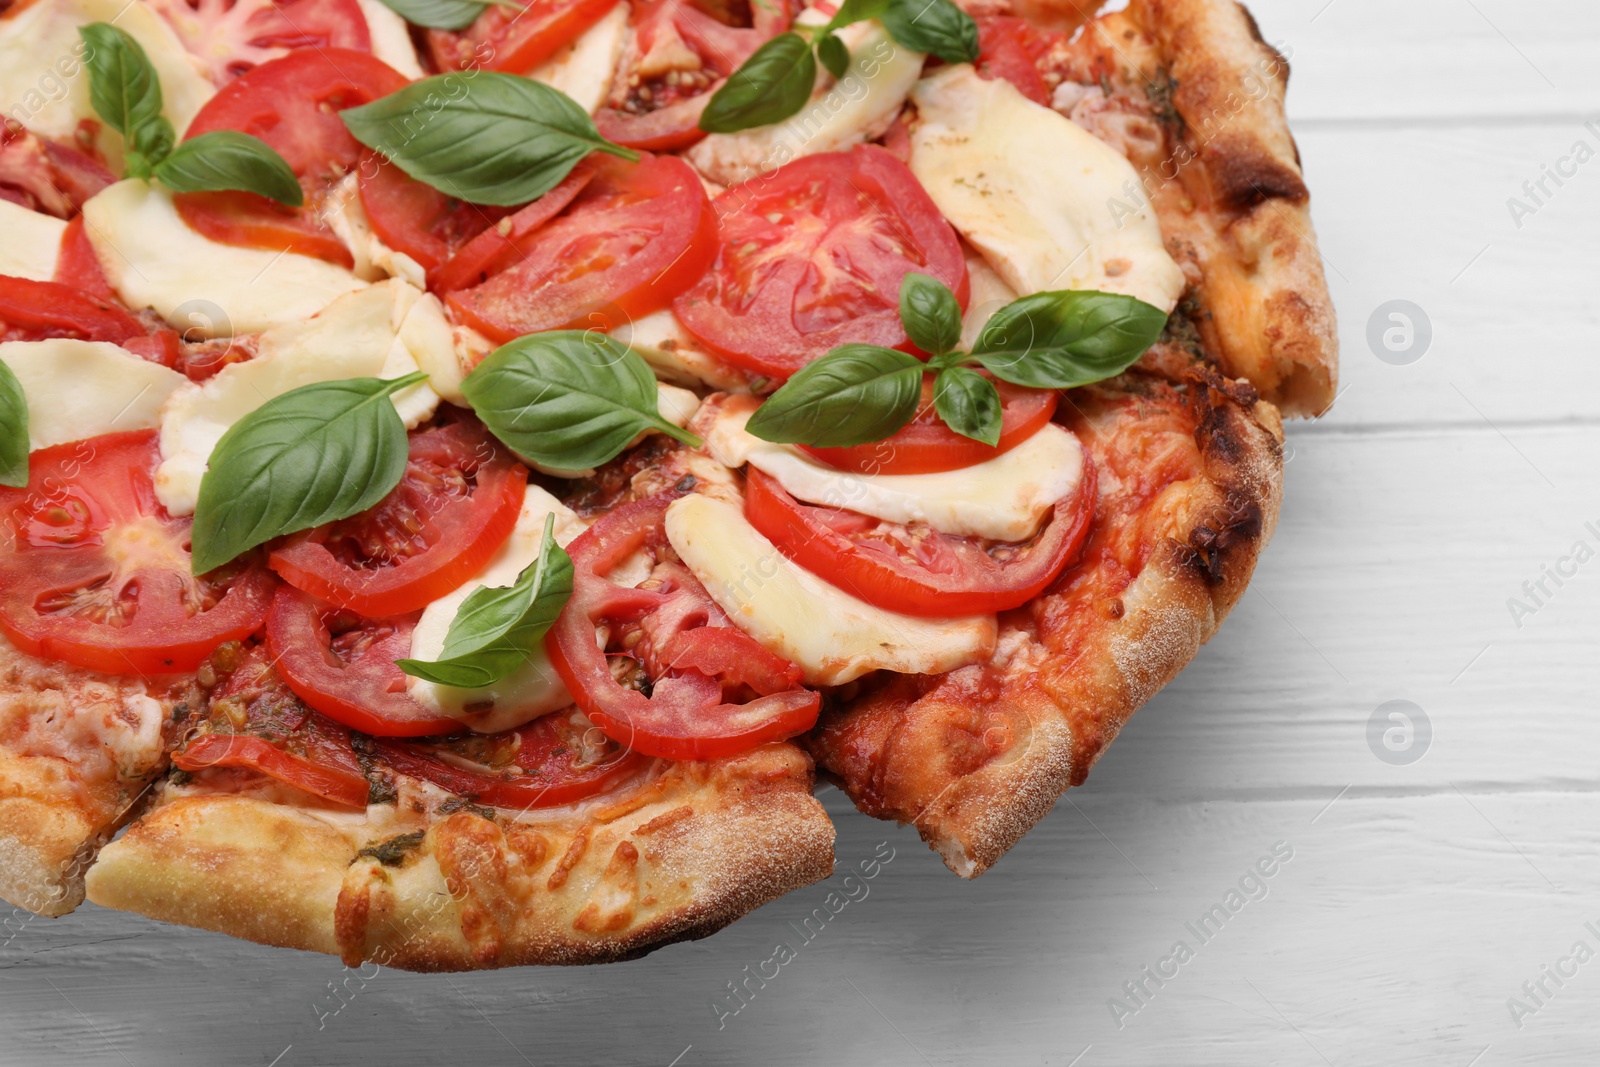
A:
976, 757
674, 857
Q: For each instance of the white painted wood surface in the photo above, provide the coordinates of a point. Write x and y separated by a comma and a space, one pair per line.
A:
1419, 897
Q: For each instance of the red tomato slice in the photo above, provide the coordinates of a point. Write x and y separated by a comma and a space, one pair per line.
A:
812, 256
454, 506
709, 695
556, 759
34, 311
95, 573
230, 37
925, 445
515, 41
257, 724
344, 666
292, 104
44, 176
637, 236
1009, 48
508, 241
77, 267
921, 572
681, 53
414, 217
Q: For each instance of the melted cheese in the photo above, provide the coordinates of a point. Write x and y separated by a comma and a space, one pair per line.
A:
583, 69
391, 38
1036, 194
44, 86
362, 335
851, 111
1004, 499
346, 216
153, 259
990, 293
834, 637
534, 688
30, 241
675, 355
79, 389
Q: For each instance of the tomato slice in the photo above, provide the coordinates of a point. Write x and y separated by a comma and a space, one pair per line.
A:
33, 311
1009, 48
230, 37
455, 505
637, 236
509, 241
556, 759
919, 572
811, 256
694, 694
95, 573
77, 267
515, 41
414, 217
925, 445
292, 104
42, 175
681, 53
343, 665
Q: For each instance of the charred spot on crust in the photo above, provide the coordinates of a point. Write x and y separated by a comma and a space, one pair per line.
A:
1237, 522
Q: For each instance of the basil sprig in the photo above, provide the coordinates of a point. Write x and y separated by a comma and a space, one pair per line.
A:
1053, 340
126, 93
567, 400
496, 629
777, 79
438, 14
313, 455
481, 136
13, 430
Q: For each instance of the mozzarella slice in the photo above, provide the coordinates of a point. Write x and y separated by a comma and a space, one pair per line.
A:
153, 259
30, 241
853, 110
391, 38
583, 69
534, 688
1004, 499
361, 335
43, 82
834, 637
1035, 193
676, 356
79, 389
346, 216
990, 293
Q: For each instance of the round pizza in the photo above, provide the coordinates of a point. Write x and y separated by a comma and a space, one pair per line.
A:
468, 468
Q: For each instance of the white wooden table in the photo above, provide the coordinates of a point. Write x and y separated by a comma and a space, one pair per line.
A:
1420, 895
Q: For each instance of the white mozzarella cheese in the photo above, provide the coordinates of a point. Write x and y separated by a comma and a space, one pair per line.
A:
346, 216
391, 38
43, 83
360, 335
30, 241
1035, 193
850, 111
153, 259
833, 636
79, 389
583, 69
1004, 498
534, 688
990, 293
675, 355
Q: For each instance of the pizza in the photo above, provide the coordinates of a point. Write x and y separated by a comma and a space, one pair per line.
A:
467, 473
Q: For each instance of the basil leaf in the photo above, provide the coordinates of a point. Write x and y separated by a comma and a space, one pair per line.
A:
225, 159
968, 403
856, 11
126, 93
481, 136
852, 395
437, 14
496, 629
937, 27
567, 399
774, 83
930, 314
13, 430
1067, 338
312, 455
834, 55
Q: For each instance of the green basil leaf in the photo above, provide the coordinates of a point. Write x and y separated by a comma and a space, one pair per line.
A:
856, 11
225, 159
126, 93
481, 136
496, 629
1067, 338
936, 27
930, 314
315, 454
968, 403
774, 83
852, 395
13, 430
834, 55
567, 399
437, 14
